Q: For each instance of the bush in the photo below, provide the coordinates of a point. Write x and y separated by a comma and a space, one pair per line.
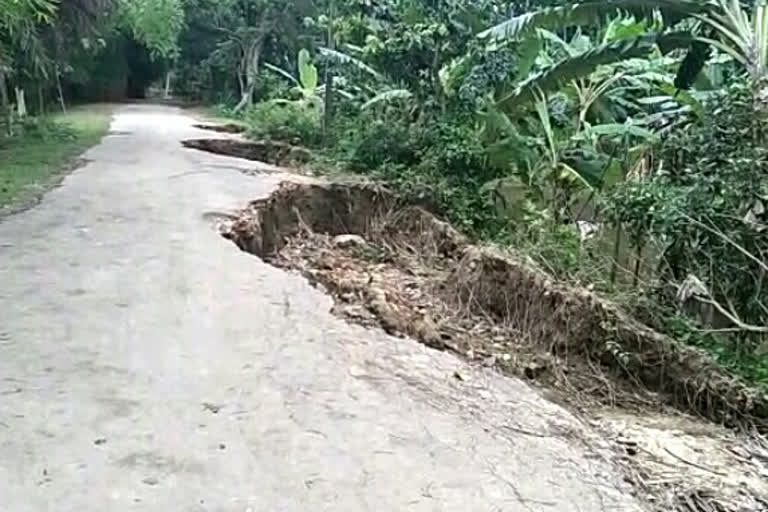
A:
372, 143
709, 211
287, 122
437, 162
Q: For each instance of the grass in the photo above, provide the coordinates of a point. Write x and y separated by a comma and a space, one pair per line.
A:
32, 162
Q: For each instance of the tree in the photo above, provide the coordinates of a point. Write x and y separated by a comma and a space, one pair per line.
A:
234, 36
18, 19
155, 23
730, 29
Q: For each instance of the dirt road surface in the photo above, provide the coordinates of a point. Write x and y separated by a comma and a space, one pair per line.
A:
147, 364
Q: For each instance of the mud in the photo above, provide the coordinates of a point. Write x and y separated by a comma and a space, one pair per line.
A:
272, 152
416, 276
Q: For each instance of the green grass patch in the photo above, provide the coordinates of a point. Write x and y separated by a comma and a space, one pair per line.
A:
42, 149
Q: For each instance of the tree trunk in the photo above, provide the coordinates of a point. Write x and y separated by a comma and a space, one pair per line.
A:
3, 90
616, 253
328, 109
437, 84
638, 264
253, 54
40, 101
60, 91
21, 105
760, 104
167, 93
246, 98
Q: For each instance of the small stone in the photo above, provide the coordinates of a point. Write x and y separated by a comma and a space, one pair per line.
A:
222, 446
349, 242
506, 357
534, 370
100, 441
214, 408
151, 481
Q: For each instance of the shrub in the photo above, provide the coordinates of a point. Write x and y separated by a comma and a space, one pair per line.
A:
437, 162
708, 210
288, 122
370, 142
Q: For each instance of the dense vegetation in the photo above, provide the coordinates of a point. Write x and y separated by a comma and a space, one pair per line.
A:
619, 143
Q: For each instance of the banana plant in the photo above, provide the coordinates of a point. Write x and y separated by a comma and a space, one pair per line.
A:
743, 35
307, 84
741, 32
558, 168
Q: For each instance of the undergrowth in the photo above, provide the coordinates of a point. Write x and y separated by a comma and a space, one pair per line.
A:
727, 351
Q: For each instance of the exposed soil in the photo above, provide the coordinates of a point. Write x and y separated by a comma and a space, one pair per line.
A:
272, 152
222, 128
414, 275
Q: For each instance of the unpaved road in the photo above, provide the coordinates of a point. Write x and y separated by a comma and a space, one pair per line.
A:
147, 364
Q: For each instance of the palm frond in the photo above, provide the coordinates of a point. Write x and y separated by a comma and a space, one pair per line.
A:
281, 72
622, 130
387, 96
589, 13
344, 58
560, 74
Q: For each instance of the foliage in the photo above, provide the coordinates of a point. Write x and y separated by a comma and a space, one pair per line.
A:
306, 86
285, 122
155, 23
752, 366
708, 207
51, 48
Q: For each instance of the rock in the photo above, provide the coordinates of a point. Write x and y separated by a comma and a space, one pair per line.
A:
150, 481
534, 370
214, 408
349, 242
